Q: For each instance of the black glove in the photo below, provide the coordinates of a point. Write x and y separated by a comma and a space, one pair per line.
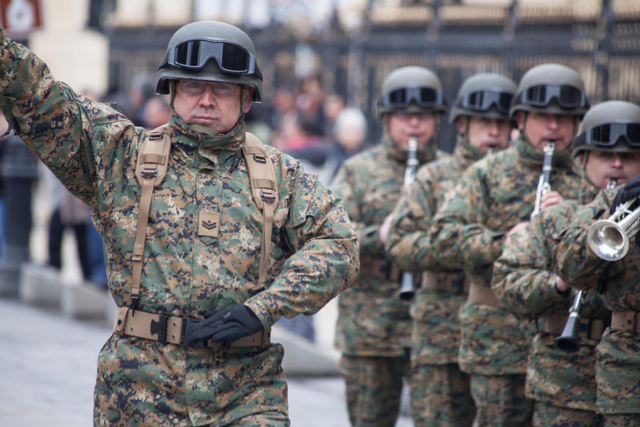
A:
630, 191
228, 324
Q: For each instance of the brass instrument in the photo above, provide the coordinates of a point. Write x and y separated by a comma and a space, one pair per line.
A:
609, 238
545, 176
407, 290
568, 341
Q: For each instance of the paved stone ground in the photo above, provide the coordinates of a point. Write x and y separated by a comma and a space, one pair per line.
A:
48, 366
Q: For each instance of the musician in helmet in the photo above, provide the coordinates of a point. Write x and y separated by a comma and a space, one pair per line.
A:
561, 376
440, 394
374, 328
579, 262
495, 197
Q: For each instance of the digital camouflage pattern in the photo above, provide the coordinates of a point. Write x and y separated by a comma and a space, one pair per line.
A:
435, 325
93, 150
500, 401
468, 232
554, 416
618, 354
525, 281
440, 396
372, 319
373, 389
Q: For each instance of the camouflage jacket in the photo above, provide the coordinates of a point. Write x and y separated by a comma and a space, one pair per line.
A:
372, 319
436, 328
524, 280
468, 232
93, 150
617, 354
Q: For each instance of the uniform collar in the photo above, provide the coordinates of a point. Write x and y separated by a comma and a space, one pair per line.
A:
199, 149
465, 153
528, 155
425, 154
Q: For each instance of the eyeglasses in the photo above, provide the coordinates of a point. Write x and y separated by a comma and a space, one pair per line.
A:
568, 97
607, 135
483, 100
197, 86
193, 54
424, 97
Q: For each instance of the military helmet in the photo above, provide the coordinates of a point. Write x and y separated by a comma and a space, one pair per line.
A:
486, 95
551, 88
411, 89
610, 126
212, 51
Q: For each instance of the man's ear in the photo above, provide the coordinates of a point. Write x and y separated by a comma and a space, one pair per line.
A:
520, 119
247, 100
460, 124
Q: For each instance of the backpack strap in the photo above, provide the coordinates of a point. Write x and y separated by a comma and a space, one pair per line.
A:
264, 189
151, 169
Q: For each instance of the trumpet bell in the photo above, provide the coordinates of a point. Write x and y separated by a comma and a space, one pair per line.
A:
608, 240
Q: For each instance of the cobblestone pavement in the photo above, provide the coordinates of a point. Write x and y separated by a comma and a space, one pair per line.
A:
48, 366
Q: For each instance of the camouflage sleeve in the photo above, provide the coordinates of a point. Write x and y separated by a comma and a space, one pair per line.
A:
325, 261
523, 276
457, 235
344, 185
576, 263
56, 124
407, 240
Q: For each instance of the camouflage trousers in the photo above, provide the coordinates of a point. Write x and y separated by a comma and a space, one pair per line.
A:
630, 420
440, 396
274, 419
545, 415
374, 386
500, 401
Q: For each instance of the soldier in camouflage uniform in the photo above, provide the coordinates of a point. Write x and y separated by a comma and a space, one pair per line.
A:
563, 384
618, 353
440, 394
373, 330
495, 197
201, 257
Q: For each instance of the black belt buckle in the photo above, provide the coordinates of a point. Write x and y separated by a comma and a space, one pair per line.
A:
160, 328
457, 284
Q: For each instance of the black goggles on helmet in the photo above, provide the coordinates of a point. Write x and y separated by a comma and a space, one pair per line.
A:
483, 100
568, 97
231, 57
607, 135
424, 97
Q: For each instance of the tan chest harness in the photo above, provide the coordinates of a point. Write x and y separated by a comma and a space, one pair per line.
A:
151, 170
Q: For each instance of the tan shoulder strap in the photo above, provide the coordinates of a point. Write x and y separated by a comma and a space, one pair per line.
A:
264, 188
151, 169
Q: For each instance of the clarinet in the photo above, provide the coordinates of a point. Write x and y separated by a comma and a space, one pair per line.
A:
569, 341
407, 289
543, 183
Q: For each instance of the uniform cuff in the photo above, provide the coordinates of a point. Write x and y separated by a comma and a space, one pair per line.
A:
268, 315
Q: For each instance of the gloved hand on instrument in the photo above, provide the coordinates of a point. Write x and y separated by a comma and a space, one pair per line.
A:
228, 324
629, 191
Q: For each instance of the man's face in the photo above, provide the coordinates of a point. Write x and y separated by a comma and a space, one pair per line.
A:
220, 112
403, 125
486, 132
603, 166
540, 128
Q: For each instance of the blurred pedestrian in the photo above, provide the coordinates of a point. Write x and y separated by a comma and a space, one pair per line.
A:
156, 112
68, 213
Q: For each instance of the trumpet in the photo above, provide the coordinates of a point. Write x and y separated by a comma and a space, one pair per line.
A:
609, 238
545, 176
407, 290
568, 341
